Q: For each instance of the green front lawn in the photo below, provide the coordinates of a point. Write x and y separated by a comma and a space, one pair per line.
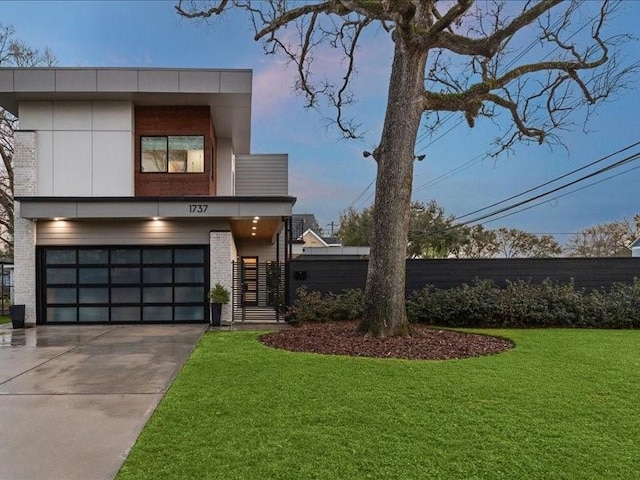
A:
562, 405
5, 319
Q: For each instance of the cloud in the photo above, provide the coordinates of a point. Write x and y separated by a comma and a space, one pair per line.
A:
272, 89
274, 82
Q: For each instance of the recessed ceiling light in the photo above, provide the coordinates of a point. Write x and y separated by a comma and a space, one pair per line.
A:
255, 221
253, 234
254, 228
256, 218
57, 219
156, 218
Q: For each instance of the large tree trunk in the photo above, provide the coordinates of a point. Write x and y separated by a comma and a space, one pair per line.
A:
385, 313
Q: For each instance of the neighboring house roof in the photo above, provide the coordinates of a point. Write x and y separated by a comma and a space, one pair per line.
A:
332, 241
635, 243
313, 239
301, 222
227, 92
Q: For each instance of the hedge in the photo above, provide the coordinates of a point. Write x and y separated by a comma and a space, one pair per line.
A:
483, 304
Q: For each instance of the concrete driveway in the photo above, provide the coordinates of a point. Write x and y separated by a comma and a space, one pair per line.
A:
73, 399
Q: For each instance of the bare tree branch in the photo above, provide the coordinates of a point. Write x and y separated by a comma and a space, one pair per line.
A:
13, 52
461, 56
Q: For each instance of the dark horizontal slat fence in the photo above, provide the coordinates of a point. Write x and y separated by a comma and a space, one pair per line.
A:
336, 275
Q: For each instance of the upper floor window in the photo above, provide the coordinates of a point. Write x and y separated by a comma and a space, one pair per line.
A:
172, 154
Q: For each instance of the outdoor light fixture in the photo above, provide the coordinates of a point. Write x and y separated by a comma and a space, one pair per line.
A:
366, 154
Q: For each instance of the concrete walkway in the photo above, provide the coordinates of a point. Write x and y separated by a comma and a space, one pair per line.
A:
73, 399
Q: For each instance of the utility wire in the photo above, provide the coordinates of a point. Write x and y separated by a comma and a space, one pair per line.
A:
549, 182
564, 195
450, 173
361, 194
617, 164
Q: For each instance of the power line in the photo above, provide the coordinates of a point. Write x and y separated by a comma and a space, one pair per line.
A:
444, 176
506, 209
565, 194
617, 164
602, 159
361, 194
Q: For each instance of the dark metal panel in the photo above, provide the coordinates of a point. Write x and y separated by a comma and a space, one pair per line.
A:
336, 275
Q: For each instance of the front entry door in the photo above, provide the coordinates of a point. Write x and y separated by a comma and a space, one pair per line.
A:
249, 281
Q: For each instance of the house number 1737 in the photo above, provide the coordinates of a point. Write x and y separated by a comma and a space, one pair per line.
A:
197, 208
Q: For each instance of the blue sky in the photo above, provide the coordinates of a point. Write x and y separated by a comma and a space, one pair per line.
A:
328, 174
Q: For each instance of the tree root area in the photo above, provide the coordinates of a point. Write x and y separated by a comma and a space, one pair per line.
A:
427, 343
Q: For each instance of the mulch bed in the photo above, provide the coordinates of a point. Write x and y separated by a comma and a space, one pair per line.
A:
426, 343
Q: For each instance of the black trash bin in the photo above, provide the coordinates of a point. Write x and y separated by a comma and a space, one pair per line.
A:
17, 316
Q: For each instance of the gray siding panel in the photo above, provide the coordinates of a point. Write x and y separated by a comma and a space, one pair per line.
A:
133, 232
262, 175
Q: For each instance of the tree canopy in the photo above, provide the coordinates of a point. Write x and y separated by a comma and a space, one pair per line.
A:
430, 235
458, 56
604, 240
433, 234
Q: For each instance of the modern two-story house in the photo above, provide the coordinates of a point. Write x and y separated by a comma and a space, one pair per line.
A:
136, 191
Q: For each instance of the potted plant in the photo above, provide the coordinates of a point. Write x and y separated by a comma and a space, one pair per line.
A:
16, 312
218, 296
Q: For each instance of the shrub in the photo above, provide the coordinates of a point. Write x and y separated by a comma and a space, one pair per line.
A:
525, 304
520, 304
313, 307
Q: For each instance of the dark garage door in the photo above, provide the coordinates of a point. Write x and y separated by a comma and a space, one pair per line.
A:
123, 284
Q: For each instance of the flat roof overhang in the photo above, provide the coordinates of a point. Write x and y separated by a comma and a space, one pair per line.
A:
258, 218
234, 208
227, 92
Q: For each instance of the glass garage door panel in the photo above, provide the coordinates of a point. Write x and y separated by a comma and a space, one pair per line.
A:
124, 284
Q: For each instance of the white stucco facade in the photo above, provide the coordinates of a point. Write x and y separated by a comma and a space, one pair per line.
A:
84, 149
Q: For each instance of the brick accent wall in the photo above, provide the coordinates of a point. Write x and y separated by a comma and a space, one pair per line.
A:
222, 249
175, 120
24, 236
25, 173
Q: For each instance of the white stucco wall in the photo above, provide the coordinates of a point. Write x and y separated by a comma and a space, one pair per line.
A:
83, 148
225, 184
